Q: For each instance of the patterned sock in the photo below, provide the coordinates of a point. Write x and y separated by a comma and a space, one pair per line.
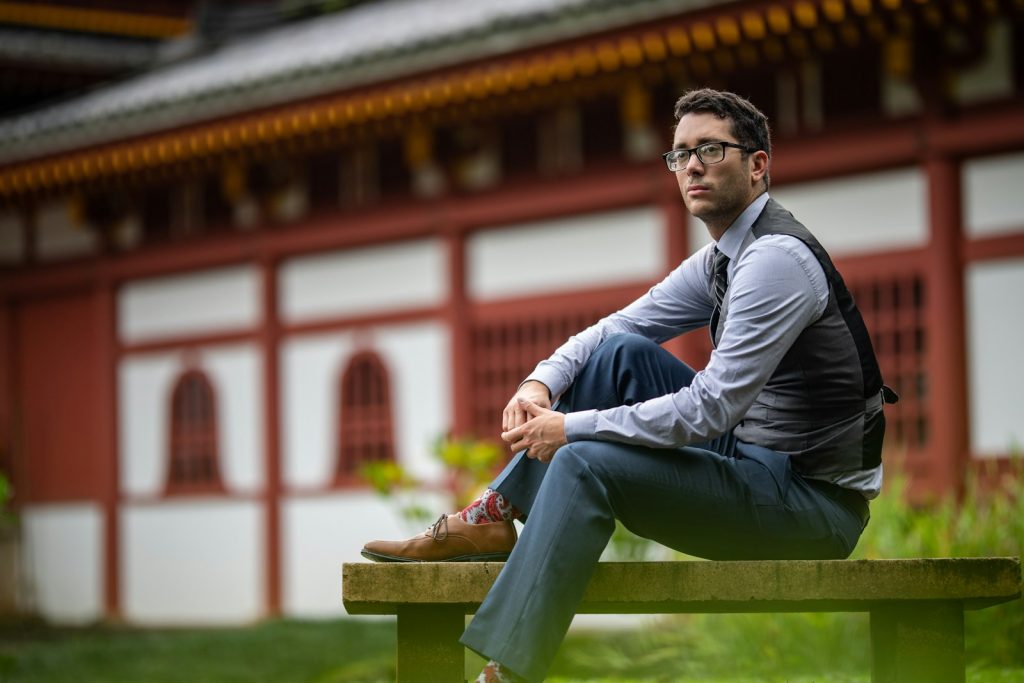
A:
491, 506
495, 673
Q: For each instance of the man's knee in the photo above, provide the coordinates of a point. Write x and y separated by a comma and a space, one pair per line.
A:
580, 459
624, 342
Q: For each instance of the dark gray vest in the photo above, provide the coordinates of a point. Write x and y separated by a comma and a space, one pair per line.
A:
823, 403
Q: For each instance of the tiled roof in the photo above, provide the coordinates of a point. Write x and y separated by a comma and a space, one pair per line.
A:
365, 44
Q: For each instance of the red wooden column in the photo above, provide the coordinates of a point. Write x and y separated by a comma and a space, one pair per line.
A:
948, 442
7, 400
692, 347
104, 310
457, 316
270, 335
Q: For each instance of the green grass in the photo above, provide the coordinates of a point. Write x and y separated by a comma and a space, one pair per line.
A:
274, 652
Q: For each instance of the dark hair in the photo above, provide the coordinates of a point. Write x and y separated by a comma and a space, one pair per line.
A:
748, 124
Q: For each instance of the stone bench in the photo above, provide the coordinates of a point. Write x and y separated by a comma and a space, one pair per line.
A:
916, 606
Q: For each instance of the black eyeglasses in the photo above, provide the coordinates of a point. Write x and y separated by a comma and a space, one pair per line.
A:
707, 153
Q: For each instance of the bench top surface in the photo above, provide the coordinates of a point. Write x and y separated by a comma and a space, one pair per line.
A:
700, 586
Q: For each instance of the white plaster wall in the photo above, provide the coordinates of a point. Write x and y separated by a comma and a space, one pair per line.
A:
193, 561
210, 301
144, 407
862, 213
57, 236
567, 253
992, 198
12, 238
321, 532
995, 337
417, 359
366, 280
63, 557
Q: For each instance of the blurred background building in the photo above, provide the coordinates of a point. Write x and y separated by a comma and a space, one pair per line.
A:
248, 247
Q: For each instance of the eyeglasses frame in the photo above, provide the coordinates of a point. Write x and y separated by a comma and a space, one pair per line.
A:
693, 152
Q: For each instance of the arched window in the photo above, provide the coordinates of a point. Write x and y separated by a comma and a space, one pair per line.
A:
365, 431
193, 463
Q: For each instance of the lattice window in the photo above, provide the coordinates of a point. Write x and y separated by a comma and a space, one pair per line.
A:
366, 432
893, 310
193, 463
506, 350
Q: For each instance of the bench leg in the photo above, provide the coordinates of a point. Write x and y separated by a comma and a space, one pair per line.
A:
429, 650
918, 643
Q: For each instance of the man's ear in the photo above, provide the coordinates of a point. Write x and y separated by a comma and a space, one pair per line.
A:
758, 166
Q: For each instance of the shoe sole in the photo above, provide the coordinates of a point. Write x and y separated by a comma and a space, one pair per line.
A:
485, 557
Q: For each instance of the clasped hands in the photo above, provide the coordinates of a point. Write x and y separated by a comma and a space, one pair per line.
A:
528, 423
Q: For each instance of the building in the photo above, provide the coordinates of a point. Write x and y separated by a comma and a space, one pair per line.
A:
232, 278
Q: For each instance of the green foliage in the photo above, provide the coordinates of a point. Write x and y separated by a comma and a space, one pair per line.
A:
6, 492
469, 465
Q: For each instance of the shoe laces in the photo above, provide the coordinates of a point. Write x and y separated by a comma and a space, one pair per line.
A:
435, 528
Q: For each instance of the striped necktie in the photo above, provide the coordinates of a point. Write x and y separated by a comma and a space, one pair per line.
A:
720, 276
720, 282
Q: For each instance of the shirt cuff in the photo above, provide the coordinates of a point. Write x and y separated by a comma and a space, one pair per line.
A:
580, 426
549, 378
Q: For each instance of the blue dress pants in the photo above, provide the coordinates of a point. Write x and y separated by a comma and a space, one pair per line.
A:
722, 500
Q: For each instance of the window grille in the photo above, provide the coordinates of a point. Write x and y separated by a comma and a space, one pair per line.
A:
366, 431
193, 462
893, 310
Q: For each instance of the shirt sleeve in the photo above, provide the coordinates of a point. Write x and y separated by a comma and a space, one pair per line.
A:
777, 289
677, 304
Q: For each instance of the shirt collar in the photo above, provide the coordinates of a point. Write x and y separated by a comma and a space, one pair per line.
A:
733, 238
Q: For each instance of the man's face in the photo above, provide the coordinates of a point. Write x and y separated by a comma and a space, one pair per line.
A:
716, 193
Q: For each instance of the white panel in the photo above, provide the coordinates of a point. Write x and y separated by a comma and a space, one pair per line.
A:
12, 237
236, 375
208, 301
310, 368
146, 382
57, 236
995, 326
144, 393
417, 359
993, 201
63, 557
320, 533
198, 561
568, 253
863, 213
366, 280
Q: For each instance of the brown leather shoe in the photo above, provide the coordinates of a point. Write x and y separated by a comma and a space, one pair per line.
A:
449, 539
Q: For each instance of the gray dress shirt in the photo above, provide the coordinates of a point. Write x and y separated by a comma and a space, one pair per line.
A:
776, 289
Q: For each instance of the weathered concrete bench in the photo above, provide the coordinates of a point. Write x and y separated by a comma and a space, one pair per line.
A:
916, 606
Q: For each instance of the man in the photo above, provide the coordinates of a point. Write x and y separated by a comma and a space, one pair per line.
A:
771, 452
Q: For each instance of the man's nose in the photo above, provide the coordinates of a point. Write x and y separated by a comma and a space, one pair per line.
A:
694, 165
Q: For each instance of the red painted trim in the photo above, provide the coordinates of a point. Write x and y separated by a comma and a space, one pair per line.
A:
396, 317
949, 442
186, 341
678, 225
1010, 246
270, 335
106, 401
7, 394
545, 304
457, 317
881, 264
